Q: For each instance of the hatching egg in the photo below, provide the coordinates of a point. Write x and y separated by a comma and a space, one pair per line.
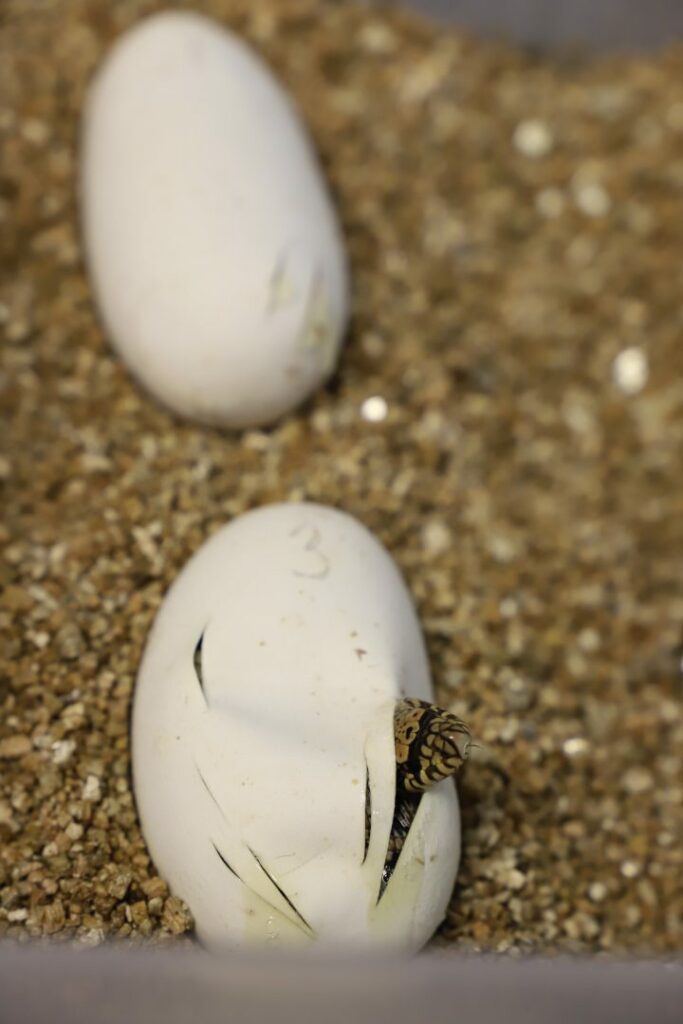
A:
264, 749
210, 237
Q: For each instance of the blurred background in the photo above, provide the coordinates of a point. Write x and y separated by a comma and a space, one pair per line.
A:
507, 417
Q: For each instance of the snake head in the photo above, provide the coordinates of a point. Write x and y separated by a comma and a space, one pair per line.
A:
431, 744
450, 747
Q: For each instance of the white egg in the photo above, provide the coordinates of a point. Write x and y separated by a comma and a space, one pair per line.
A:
210, 237
263, 707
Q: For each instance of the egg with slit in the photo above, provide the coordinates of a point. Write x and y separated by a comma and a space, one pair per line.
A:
264, 757
210, 237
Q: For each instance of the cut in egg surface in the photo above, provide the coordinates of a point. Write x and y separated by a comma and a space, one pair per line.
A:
263, 740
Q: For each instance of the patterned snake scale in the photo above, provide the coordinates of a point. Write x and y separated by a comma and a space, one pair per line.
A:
431, 745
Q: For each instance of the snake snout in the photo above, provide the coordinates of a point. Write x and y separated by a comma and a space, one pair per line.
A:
460, 741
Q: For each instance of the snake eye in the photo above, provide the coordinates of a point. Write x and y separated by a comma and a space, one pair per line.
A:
462, 742
454, 747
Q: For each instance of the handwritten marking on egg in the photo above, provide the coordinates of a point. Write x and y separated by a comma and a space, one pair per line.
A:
264, 750
211, 241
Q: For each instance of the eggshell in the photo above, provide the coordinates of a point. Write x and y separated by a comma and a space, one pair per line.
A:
250, 770
210, 237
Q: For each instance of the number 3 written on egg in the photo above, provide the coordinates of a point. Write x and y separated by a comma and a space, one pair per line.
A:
317, 563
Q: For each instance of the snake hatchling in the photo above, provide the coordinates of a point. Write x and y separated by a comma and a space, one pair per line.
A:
431, 744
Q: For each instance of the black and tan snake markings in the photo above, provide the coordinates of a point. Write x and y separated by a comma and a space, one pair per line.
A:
431, 745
